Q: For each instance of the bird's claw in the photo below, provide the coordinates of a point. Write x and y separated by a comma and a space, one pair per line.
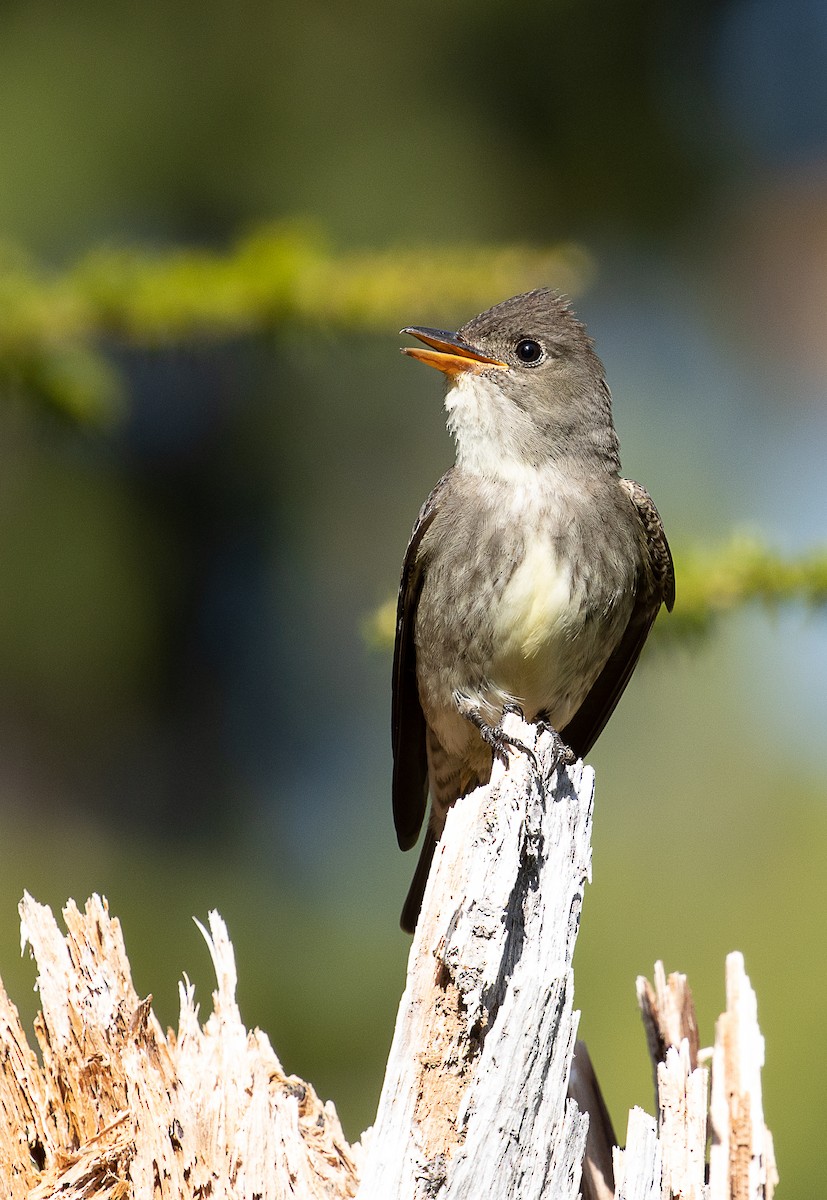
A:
495, 736
563, 754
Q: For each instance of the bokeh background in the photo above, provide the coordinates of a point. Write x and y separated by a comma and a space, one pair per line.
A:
191, 714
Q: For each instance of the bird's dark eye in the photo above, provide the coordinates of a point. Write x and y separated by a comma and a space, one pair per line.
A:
528, 351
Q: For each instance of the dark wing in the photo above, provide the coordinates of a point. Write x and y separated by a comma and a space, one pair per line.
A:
655, 588
410, 761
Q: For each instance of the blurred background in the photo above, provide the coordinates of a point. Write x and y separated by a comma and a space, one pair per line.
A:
196, 523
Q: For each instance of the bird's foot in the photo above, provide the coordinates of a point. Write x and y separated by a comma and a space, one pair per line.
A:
563, 754
494, 735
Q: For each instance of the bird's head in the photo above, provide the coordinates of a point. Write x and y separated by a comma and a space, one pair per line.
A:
526, 387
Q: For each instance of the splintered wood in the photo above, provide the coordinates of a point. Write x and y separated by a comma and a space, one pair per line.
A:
668, 1160
668, 1013
483, 1095
742, 1157
119, 1110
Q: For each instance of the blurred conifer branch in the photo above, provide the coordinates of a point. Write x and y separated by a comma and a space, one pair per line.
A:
53, 327
713, 581
710, 583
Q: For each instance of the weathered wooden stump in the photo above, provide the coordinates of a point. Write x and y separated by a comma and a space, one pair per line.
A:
483, 1094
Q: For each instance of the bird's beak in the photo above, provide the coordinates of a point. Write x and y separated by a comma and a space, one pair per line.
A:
449, 353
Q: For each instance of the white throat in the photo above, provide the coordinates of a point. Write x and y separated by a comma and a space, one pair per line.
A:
478, 413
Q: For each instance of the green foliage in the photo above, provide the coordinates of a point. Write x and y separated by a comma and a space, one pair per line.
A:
52, 327
714, 581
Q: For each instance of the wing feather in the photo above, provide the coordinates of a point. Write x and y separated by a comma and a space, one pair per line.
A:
408, 729
656, 586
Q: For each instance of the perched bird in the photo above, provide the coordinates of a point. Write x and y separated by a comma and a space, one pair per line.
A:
534, 571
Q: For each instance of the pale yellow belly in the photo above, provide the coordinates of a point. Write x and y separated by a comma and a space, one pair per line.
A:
547, 653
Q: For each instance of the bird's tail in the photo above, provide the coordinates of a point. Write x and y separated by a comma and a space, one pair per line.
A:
413, 903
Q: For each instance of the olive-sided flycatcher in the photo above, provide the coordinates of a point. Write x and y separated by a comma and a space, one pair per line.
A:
534, 571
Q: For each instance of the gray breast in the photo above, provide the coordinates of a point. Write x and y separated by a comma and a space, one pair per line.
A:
524, 597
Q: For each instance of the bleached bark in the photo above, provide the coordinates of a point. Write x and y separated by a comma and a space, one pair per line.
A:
742, 1156
475, 1094
638, 1167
